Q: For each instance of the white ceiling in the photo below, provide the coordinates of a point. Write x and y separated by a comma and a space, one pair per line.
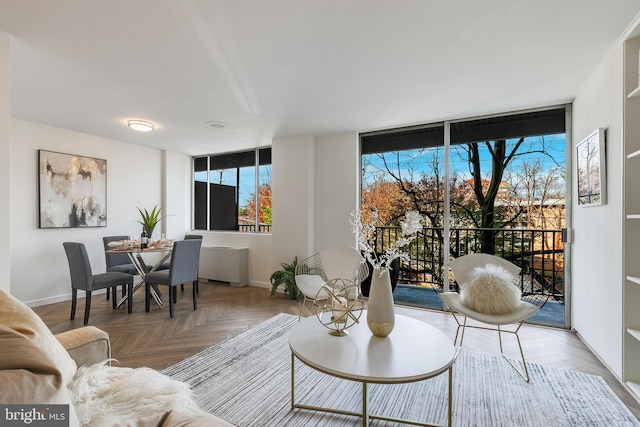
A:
279, 68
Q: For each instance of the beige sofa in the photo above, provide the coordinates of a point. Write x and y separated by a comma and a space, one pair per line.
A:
36, 367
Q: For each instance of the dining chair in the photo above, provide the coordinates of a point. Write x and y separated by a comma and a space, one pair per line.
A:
166, 265
183, 268
117, 262
83, 278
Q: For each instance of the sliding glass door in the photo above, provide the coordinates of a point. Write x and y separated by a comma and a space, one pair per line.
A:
493, 185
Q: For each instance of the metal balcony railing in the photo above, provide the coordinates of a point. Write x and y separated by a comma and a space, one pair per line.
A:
251, 228
539, 253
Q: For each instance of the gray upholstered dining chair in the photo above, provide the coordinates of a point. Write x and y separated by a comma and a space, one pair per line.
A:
183, 268
117, 262
83, 278
166, 265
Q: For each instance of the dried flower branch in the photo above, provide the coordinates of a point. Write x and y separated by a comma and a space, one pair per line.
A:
365, 233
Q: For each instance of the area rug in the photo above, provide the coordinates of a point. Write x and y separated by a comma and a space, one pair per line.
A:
247, 380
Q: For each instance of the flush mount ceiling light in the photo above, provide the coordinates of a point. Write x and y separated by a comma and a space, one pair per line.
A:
216, 124
140, 125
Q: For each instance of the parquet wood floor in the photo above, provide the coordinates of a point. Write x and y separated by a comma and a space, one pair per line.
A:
155, 340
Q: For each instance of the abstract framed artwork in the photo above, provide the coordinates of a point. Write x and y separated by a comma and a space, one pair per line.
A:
72, 191
591, 170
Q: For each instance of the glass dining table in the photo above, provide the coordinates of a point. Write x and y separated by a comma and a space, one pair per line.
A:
135, 255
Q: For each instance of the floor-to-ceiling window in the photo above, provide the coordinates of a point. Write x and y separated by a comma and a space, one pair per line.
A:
495, 185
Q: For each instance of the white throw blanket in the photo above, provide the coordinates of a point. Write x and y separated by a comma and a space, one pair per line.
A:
106, 395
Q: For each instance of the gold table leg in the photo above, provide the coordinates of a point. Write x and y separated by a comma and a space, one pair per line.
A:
365, 403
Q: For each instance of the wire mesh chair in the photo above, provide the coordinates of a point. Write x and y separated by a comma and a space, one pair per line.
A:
530, 304
335, 263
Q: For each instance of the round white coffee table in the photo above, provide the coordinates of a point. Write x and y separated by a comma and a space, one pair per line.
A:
414, 351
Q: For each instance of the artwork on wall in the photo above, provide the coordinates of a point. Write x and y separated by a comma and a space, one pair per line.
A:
72, 191
591, 170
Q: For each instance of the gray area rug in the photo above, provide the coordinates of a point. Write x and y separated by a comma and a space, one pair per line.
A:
247, 380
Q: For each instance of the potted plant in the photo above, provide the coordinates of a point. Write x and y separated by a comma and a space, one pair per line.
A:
149, 219
286, 277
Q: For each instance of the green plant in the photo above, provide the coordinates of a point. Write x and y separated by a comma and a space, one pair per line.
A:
150, 219
286, 277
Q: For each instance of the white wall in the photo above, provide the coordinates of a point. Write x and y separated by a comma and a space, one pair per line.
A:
177, 183
293, 182
39, 269
5, 149
315, 188
597, 249
336, 190
302, 193
292, 202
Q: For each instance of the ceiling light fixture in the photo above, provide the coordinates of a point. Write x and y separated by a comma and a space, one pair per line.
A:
216, 124
141, 125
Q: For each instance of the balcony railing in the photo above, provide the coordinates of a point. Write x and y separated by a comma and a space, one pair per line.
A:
538, 252
251, 228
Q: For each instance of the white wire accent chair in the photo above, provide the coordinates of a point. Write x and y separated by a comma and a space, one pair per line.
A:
314, 272
530, 304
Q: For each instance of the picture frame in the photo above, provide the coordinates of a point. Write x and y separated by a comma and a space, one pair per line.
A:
591, 169
72, 191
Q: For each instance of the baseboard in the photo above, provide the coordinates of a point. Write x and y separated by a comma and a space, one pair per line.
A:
67, 297
49, 300
57, 298
261, 285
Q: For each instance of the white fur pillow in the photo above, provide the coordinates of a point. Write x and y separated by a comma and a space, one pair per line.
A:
490, 290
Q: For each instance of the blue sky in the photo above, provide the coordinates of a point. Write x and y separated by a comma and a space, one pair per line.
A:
419, 162
247, 180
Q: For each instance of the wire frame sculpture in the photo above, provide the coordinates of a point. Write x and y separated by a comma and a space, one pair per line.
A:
339, 305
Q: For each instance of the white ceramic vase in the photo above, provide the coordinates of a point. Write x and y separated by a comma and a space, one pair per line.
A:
380, 312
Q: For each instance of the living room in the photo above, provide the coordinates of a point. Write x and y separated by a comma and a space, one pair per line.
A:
309, 214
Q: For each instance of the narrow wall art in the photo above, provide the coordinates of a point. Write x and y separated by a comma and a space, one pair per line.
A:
591, 169
72, 191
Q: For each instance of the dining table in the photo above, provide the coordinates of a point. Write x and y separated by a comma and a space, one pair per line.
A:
135, 253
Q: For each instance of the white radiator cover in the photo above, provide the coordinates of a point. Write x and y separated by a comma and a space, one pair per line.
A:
224, 264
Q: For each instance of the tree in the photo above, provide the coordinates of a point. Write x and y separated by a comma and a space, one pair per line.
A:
264, 211
486, 194
473, 199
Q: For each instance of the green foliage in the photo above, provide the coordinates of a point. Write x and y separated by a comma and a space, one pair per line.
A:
286, 277
149, 219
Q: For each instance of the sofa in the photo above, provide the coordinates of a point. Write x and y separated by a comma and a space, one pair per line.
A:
73, 369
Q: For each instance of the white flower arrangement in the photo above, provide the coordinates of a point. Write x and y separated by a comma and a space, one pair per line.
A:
364, 233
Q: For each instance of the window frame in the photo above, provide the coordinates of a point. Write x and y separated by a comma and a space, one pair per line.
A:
207, 163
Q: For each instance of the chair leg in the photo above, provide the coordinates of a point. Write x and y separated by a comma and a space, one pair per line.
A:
525, 374
87, 307
182, 287
174, 293
129, 298
108, 292
195, 295
113, 300
147, 296
74, 301
170, 304
304, 299
463, 326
